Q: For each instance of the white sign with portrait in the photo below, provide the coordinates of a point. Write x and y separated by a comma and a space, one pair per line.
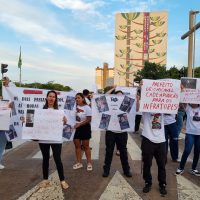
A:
43, 124
113, 112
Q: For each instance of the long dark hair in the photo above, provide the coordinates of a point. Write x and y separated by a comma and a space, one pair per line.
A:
82, 96
55, 106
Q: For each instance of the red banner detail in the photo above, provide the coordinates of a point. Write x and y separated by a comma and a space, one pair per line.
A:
146, 36
33, 92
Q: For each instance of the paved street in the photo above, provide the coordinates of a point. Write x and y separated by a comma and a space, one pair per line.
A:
20, 179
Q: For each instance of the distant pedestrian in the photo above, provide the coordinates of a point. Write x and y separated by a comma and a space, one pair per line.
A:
86, 94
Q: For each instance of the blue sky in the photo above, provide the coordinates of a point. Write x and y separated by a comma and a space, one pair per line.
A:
65, 40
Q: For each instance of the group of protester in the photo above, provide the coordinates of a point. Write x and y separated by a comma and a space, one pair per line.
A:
158, 128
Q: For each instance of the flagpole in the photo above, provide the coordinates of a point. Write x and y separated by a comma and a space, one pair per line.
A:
20, 77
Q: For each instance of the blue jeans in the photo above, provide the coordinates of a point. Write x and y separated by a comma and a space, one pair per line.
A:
191, 140
179, 121
171, 134
3, 141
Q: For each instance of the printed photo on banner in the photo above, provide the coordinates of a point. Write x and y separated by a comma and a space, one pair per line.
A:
14, 112
69, 103
127, 104
160, 96
190, 90
102, 104
189, 83
11, 134
29, 118
123, 121
105, 119
68, 132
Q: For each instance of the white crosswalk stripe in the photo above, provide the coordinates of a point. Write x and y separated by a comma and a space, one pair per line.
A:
118, 188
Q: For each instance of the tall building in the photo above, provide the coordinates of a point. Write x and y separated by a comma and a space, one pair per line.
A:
104, 76
139, 37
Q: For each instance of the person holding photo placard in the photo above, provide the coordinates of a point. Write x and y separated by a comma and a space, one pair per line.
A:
153, 145
192, 138
120, 139
52, 103
83, 132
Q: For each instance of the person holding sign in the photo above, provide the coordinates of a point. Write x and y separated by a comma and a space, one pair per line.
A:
192, 138
120, 139
52, 103
83, 132
153, 145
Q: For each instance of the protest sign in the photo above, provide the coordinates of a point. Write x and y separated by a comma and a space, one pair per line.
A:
113, 112
43, 124
4, 115
161, 96
31, 98
190, 92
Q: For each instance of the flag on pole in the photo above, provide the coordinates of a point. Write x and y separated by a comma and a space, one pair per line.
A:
20, 60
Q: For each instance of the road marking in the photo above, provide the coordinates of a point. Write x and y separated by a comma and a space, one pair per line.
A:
38, 155
118, 189
53, 192
94, 144
133, 149
186, 189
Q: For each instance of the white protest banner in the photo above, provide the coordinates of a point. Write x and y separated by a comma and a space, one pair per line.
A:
161, 96
4, 115
190, 92
31, 98
43, 124
127, 90
113, 112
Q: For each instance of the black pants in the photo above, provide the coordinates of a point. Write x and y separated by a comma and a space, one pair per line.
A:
137, 122
121, 141
56, 149
150, 150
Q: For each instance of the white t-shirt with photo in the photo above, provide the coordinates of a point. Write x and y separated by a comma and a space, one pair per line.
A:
193, 120
82, 112
169, 119
153, 127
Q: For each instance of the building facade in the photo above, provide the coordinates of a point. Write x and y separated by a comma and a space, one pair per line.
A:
139, 37
104, 76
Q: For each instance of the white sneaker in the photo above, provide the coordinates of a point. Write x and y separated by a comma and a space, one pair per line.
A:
1, 166
179, 172
194, 172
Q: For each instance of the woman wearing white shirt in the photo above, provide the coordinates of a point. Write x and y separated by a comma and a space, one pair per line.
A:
83, 131
51, 103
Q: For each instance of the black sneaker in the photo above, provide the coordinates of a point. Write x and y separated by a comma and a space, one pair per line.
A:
105, 174
128, 174
163, 190
147, 187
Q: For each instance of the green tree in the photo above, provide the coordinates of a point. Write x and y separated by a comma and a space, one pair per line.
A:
197, 72
48, 86
151, 71
173, 72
